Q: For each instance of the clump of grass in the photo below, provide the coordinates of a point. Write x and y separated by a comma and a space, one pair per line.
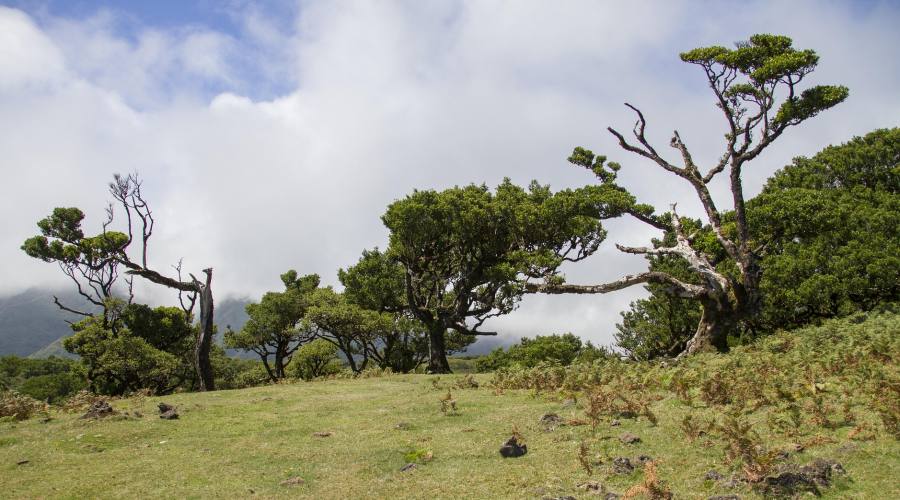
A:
652, 487
448, 404
418, 456
467, 381
18, 406
744, 446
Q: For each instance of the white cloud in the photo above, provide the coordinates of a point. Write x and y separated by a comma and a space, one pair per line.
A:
387, 97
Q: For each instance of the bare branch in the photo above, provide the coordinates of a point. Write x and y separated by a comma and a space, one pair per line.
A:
69, 309
681, 288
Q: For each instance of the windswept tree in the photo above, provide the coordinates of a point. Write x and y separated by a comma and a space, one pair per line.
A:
466, 253
757, 88
376, 282
274, 328
94, 262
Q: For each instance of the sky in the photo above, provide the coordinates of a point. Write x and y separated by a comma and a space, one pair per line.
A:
272, 135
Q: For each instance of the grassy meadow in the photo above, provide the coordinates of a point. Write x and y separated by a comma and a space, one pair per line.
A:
257, 442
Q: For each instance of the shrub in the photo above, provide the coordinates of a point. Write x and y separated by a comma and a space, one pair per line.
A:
18, 406
560, 350
315, 359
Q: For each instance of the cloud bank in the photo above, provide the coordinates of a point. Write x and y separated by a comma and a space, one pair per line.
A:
383, 98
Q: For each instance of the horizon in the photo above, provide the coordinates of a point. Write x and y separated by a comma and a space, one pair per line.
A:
273, 136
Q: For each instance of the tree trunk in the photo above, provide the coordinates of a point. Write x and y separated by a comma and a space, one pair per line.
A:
712, 331
204, 341
437, 350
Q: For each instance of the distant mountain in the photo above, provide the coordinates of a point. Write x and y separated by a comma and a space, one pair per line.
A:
30, 321
32, 325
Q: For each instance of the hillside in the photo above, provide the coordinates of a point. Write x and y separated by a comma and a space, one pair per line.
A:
250, 442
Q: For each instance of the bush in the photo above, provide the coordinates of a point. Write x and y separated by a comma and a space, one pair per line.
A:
315, 359
51, 380
560, 350
18, 406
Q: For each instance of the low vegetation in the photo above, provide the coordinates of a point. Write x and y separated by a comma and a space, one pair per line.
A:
814, 409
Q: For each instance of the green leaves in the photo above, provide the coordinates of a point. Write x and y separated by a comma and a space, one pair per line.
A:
811, 102
465, 250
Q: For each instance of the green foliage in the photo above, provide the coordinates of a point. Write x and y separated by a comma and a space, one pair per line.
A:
828, 229
315, 359
135, 348
831, 227
274, 328
52, 379
376, 283
467, 251
543, 349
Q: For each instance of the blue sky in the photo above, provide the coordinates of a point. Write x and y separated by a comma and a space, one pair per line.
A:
273, 135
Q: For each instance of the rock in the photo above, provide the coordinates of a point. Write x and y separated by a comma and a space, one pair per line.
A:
643, 459
403, 426
294, 481
550, 421
622, 465
793, 480
511, 448
713, 475
322, 434
591, 486
167, 412
629, 438
408, 467
615, 423
99, 409
169, 415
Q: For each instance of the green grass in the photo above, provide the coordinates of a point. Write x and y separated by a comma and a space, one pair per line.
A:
244, 443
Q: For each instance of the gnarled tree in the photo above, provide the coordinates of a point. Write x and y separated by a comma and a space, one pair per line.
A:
467, 252
274, 328
94, 262
757, 88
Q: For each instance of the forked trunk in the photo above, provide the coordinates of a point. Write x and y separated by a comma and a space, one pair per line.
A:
712, 331
437, 350
204, 341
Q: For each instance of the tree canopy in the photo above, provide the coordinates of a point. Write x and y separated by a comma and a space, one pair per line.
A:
467, 252
756, 86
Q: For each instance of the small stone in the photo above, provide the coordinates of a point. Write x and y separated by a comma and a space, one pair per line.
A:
629, 438
593, 487
713, 475
321, 434
169, 415
403, 426
294, 481
622, 465
511, 448
164, 407
643, 459
615, 423
99, 409
408, 467
550, 421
